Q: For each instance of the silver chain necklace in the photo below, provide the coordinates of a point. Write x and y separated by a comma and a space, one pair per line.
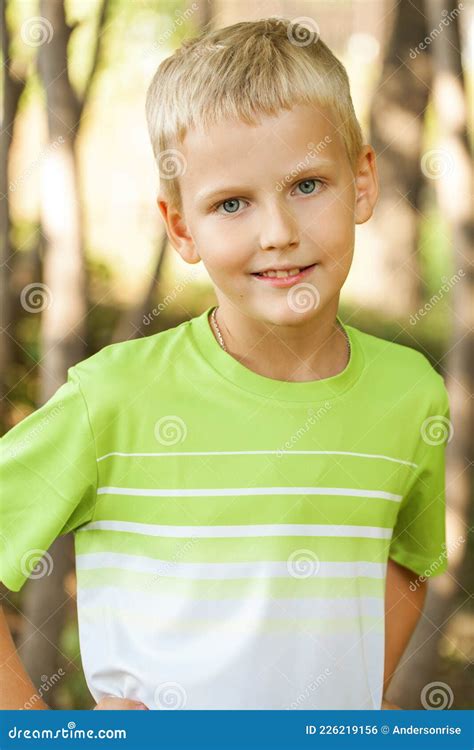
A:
223, 346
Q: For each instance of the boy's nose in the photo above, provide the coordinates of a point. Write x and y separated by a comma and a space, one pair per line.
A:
278, 228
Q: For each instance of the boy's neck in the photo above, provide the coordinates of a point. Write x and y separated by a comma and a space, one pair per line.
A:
312, 351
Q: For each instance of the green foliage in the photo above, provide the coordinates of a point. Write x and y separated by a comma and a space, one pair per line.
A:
72, 692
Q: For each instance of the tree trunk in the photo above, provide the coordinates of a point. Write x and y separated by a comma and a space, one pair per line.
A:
130, 325
63, 314
65, 294
421, 663
12, 90
396, 130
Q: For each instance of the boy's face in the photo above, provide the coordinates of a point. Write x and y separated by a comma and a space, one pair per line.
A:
280, 194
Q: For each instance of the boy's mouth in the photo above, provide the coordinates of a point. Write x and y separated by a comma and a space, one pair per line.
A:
284, 277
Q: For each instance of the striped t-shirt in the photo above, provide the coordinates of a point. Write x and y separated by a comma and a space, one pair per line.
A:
232, 531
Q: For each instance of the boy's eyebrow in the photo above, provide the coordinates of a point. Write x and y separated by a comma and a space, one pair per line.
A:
287, 179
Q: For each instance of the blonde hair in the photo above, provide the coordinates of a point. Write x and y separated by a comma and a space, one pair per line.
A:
242, 71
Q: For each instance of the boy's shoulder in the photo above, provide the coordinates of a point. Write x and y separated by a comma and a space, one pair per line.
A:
134, 357
408, 369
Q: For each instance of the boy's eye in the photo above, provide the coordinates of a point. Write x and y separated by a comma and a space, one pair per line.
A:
230, 206
308, 186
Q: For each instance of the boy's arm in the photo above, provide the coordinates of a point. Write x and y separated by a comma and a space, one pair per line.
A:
403, 607
16, 688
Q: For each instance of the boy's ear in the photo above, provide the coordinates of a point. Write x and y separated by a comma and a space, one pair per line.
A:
177, 231
367, 185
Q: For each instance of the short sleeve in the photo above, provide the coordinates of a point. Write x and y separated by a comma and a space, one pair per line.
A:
48, 480
419, 536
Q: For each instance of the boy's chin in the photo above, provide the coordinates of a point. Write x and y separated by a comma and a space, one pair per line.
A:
293, 312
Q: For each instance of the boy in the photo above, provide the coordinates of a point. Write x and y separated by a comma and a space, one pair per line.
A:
255, 492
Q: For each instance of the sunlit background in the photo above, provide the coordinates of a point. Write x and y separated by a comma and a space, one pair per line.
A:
85, 261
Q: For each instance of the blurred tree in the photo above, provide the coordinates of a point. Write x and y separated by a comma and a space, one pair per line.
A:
452, 173
396, 132
63, 329
13, 85
130, 322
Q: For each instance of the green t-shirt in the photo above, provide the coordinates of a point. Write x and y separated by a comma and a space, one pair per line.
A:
232, 531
